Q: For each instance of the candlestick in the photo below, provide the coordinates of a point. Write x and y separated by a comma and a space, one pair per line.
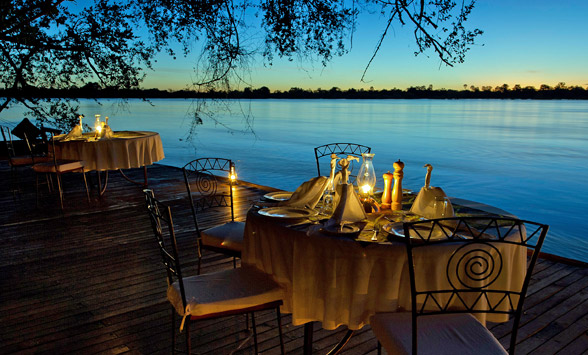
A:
397, 189
387, 195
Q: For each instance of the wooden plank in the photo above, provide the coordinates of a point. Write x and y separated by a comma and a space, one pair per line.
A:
559, 333
88, 279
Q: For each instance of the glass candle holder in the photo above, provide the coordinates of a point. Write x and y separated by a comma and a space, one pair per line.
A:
366, 179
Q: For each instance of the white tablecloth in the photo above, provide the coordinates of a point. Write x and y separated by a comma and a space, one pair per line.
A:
127, 149
338, 281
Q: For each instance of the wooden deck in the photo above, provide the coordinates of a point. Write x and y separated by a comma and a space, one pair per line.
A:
89, 280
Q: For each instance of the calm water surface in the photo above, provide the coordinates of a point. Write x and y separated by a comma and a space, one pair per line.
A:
527, 157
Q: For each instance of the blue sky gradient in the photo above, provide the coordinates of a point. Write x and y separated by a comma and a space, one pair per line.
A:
526, 42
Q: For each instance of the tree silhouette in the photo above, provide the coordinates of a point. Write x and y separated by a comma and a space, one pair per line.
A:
58, 44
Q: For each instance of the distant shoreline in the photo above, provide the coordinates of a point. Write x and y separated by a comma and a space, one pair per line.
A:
545, 92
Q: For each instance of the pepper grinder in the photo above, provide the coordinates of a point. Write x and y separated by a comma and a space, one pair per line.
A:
397, 189
387, 195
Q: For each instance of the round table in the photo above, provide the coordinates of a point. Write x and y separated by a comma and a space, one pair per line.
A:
125, 150
336, 280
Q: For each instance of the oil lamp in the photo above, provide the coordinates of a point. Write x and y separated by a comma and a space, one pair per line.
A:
97, 126
366, 179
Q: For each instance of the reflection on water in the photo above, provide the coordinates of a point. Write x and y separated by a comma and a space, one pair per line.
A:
527, 157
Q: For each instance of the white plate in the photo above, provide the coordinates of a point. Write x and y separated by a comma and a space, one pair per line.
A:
278, 195
348, 230
287, 212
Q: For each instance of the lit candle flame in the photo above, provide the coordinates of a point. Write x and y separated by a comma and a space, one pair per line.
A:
233, 175
366, 189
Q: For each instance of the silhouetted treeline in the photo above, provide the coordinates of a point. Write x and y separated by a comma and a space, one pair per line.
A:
545, 92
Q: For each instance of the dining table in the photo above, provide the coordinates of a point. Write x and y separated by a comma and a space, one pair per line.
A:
339, 280
124, 150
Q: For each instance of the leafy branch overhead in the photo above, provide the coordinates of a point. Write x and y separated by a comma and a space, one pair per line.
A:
57, 44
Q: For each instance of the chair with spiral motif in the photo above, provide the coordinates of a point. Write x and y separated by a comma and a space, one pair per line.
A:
341, 149
209, 184
486, 273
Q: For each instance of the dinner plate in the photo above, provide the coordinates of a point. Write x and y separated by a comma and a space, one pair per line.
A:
278, 195
347, 230
288, 213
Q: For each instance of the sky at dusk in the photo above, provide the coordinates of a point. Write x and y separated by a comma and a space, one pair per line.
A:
526, 42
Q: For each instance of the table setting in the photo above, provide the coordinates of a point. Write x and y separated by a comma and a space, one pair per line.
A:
334, 207
337, 250
103, 149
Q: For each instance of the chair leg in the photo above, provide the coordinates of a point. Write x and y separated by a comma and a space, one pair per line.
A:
173, 323
14, 183
279, 316
49, 181
199, 253
86, 184
254, 332
37, 188
234, 262
379, 348
58, 177
188, 340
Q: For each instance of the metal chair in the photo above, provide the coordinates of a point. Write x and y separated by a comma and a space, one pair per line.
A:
484, 257
18, 161
58, 167
207, 190
219, 294
343, 149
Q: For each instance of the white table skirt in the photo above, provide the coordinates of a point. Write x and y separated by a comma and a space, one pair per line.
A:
127, 149
339, 281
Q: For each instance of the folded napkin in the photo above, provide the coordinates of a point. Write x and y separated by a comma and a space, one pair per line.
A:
106, 132
308, 194
349, 209
75, 133
432, 202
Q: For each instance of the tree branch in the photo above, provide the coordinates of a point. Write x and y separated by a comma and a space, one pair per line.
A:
37, 10
378, 45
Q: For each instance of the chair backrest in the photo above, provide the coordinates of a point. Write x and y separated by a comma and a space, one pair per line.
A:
483, 261
340, 149
208, 185
47, 134
42, 148
163, 230
7, 136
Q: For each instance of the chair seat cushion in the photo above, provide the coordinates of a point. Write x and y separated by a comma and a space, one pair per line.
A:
61, 166
451, 334
224, 291
226, 236
27, 160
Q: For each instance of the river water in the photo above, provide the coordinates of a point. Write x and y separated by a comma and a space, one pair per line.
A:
524, 156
